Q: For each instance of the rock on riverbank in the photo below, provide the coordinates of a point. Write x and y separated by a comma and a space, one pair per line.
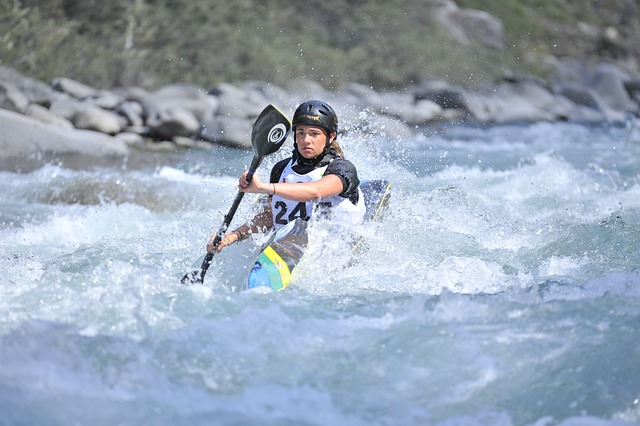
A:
23, 138
67, 116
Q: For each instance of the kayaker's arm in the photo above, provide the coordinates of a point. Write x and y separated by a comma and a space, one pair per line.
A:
261, 222
325, 187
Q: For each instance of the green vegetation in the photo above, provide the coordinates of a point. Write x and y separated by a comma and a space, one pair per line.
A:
384, 44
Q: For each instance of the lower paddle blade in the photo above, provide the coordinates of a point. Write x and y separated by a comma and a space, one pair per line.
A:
193, 277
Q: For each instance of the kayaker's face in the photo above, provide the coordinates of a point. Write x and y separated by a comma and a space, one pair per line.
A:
311, 140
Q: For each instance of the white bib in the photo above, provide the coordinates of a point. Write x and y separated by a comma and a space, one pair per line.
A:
339, 208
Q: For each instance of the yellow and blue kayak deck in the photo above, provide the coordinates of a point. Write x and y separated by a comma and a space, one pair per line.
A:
273, 266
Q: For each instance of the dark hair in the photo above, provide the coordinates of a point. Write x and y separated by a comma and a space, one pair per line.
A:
335, 146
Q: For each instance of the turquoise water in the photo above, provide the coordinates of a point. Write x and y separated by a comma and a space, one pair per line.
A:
502, 288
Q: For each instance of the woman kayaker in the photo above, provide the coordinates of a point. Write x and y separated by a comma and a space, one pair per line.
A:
315, 180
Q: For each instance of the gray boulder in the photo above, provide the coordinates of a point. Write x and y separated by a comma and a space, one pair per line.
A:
73, 88
528, 101
231, 131
131, 139
66, 107
608, 81
237, 102
398, 105
559, 107
86, 115
133, 112
583, 114
23, 137
174, 110
106, 99
12, 99
92, 117
632, 86
193, 99
590, 106
46, 116
165, 123
403, 107
446, 95
422, 112
513, 104
581, 95
36, 91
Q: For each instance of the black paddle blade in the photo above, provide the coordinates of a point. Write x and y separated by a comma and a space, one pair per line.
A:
192, 277
270, 130
197, 277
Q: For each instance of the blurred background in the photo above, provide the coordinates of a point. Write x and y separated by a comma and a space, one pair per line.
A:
384, 44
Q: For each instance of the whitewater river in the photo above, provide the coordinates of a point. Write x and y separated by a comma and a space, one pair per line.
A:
502, 288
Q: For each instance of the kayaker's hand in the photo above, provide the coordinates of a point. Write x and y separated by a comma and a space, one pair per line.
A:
255, 186
228, 239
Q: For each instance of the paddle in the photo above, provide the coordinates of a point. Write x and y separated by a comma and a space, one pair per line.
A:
269, 132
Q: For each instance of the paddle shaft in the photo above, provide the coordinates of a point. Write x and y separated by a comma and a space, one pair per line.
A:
228, 218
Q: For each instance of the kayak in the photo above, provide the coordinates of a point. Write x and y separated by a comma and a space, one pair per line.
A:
275, 263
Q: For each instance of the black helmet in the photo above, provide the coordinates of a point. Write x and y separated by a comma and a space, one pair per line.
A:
316, 113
